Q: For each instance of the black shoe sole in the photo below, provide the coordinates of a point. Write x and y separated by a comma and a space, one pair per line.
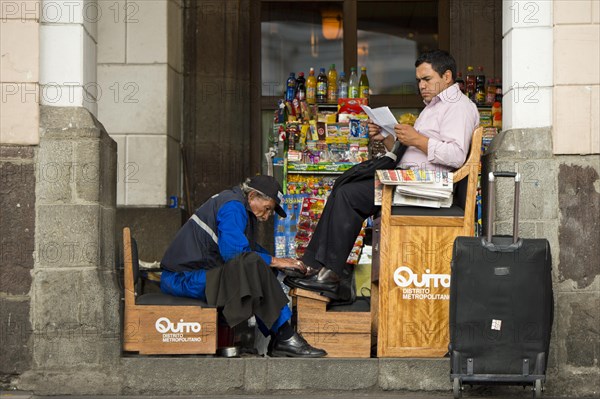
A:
289, 354
329, 294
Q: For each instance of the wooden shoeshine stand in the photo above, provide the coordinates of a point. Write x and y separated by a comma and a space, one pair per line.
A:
414, 275
341, 334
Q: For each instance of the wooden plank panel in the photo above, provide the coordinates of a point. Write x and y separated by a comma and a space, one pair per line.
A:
308, 305
339, 322
341, 345
426, 221
414, 308
309, 294
162, 330
416, 352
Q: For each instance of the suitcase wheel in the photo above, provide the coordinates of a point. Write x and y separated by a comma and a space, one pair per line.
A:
457, 388
537, 389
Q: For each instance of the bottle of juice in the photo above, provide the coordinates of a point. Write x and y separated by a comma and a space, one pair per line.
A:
290, 90
322, 87
311, 87
490, 93
363, 84
470, 83
353, 84
332, 89
342, 86
461, 82
497, 115
480, 87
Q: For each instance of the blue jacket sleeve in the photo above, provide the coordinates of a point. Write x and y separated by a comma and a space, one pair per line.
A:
231, 225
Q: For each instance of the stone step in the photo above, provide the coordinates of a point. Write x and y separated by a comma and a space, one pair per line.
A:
194, 374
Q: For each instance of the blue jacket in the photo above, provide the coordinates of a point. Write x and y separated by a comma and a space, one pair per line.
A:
221, 229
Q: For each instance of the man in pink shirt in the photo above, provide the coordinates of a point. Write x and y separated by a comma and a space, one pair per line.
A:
439, 140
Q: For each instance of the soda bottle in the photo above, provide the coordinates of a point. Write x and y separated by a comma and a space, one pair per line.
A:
322, 87
353, 84
363, 84
480, 87
332, 85
470, 83
461, 82
342, 86
290, 91
311, 87
490, 93
301, 87
498, 91
497, 115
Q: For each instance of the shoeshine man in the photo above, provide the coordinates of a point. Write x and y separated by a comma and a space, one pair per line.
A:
439, 141
214, 257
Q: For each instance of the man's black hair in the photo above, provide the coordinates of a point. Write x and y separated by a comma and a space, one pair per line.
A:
440, 60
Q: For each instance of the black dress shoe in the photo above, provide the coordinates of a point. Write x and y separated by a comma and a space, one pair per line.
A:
295, 346
295, 273
326, 282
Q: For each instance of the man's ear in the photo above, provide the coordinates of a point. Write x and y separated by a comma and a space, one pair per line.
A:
447, 76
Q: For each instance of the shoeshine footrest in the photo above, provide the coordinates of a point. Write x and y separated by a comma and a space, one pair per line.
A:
341, 334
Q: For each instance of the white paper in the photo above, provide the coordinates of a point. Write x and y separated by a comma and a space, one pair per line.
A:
383, 117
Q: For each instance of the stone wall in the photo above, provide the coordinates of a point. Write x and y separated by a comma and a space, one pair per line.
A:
560, 197
17, 226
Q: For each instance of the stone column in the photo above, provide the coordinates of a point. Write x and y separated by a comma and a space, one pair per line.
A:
74, 310
75, 294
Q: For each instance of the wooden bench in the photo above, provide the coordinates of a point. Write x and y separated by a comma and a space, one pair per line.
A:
415, 249
342, 332
156, 323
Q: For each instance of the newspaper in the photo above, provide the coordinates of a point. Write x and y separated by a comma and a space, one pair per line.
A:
426, 188
383, 117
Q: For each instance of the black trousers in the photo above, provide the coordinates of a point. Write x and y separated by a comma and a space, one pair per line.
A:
346, 209
351, 201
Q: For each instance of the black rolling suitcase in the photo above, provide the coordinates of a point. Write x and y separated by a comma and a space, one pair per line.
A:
501, 307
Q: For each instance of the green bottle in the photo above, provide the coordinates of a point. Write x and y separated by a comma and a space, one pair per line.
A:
363, 84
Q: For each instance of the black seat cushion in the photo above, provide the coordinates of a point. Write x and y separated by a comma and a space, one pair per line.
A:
158, 298
454, 210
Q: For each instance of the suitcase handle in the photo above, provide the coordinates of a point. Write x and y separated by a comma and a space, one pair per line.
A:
491, 201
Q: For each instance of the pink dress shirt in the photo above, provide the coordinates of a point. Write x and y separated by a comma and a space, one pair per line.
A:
449, 121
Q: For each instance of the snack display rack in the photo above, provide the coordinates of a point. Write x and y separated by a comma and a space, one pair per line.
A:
313, 148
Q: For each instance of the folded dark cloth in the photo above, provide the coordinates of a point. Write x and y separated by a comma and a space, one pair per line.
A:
243, 287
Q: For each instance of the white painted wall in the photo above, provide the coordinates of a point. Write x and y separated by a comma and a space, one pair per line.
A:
19, 72
576, 117
551, 70
140, 69
527, 67
68, 39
